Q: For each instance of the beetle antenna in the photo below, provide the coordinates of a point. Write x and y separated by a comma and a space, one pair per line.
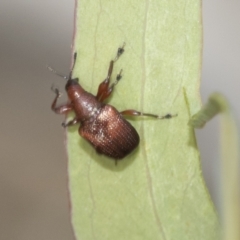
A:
74, 61
55, 72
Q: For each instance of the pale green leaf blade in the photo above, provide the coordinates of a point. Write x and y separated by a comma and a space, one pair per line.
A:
157, 192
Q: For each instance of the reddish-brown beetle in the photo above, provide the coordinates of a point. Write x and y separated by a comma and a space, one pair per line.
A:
101, 124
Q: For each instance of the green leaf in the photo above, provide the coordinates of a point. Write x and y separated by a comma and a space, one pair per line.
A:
157, 192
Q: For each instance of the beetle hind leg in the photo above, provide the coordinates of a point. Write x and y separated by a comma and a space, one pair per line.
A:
135, 113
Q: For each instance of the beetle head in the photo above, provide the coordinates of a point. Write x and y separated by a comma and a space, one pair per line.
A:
71, 82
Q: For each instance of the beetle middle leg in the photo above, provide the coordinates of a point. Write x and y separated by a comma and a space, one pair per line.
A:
104, 90
131, 112
70, 123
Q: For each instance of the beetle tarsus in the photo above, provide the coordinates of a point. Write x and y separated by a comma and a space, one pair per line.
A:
64, 124
56, 91
119, 52
118, 78
167, 116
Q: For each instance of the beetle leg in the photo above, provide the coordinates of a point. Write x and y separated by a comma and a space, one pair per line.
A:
70, 123
119, 52
63, 109
118, 78
104, 91
103, 87
135, 113
109, 90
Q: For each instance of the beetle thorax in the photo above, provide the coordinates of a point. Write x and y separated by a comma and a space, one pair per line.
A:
85, 105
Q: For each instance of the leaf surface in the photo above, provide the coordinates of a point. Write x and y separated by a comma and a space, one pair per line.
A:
157, 192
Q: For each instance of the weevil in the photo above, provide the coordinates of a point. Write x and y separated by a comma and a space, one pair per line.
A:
101, 124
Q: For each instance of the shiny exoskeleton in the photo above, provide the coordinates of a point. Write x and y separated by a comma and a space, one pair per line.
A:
101, 124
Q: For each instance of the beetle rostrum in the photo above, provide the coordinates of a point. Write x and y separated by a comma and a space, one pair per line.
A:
101, 124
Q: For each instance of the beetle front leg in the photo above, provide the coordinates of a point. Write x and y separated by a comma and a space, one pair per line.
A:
63, 109
103, 87
105, 93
